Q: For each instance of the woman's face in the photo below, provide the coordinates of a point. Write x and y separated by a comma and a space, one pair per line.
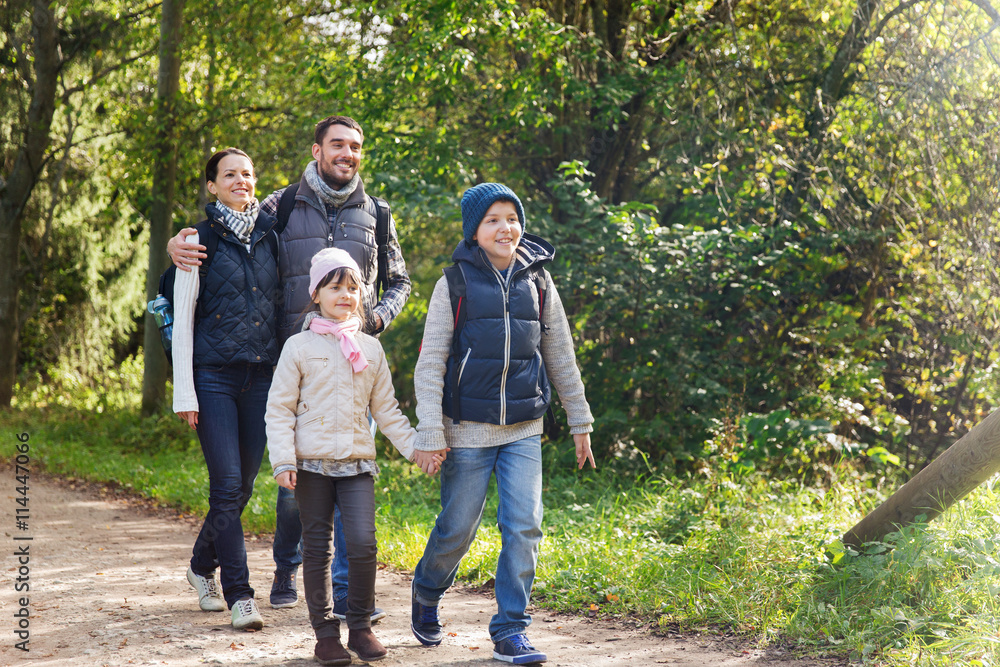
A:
234, 182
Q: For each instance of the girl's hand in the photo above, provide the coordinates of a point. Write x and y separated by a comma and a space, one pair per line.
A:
430, 462
191, 417
286, 479
583, 453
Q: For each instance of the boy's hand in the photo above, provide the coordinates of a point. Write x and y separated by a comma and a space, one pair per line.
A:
286, 479
184, 255
430, 462
583, 453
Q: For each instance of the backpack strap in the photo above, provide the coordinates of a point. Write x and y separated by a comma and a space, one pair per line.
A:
285, 206
456, 290
382, 214
210, 239
538, 276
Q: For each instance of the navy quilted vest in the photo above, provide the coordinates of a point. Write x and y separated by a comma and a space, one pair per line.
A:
502, 379
236, 317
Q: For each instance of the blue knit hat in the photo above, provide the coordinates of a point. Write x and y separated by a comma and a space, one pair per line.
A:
478, 199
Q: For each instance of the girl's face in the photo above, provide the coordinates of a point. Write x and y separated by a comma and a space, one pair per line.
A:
234, 183
498, 233
338, 300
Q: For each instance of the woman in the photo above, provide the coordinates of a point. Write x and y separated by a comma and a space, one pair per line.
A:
225, 346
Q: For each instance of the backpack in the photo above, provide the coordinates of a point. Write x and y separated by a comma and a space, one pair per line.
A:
287, 203
456, 290
162, 307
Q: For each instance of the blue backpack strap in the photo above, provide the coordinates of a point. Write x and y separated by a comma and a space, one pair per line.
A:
382, 243
456, 290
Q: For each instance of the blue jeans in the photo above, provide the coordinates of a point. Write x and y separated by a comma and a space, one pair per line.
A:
465, 477
231, 405
287, 547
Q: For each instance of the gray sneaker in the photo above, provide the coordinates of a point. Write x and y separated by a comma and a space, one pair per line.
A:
340, 611
283, 591
209, 598
246, 615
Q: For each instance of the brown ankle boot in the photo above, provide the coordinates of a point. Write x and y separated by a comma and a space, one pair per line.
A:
364, 643
329, 651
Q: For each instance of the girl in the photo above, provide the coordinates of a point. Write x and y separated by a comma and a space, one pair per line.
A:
321, 447
225, 345
486, 403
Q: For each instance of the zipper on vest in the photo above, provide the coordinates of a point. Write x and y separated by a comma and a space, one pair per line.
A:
461, 367
505, 290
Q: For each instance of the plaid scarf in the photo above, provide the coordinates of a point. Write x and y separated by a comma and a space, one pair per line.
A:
240, 223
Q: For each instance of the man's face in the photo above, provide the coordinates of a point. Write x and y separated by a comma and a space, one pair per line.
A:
339, 156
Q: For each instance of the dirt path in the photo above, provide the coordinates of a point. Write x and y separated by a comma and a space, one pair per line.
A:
108, 588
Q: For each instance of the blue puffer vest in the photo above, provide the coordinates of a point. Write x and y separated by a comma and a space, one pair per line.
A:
501, 377
309, 230
236, 319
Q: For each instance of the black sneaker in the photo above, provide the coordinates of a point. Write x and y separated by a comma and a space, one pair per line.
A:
340, 611
424, 622
283, 592
518, 650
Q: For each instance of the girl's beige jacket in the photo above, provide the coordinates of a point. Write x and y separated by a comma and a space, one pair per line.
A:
317, 406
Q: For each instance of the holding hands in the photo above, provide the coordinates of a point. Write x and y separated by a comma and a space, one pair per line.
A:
430, 462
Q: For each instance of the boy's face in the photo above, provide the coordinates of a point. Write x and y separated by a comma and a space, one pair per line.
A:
499, 233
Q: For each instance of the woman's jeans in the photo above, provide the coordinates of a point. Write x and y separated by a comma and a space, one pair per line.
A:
231, 405
317, 496
465, 477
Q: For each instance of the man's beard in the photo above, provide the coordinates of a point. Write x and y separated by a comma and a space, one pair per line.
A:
330, 179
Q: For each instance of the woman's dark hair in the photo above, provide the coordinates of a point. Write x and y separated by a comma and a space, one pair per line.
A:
339, 275
321, 127
212, 168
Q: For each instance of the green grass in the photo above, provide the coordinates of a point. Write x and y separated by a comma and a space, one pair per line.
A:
750, 555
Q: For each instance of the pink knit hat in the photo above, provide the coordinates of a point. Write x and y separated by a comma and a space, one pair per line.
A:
327, 260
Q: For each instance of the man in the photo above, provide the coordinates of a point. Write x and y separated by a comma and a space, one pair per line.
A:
331, 209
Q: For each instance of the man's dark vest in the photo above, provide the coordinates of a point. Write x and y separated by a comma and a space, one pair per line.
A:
501, 376
309, 230
235, 320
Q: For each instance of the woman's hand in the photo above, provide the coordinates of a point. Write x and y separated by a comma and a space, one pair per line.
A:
190, 416
286, 479
184, 255
583, 453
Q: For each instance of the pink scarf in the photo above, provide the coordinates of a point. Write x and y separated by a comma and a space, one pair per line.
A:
344, 331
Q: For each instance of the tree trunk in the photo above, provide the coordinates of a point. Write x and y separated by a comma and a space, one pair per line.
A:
949, 478
164, 179
15, 193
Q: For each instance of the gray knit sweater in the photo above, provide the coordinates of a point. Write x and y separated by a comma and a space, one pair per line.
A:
436, 431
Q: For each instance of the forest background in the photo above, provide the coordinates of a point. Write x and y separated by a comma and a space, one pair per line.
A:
775, 221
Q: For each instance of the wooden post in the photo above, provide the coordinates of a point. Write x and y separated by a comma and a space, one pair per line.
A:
949, 478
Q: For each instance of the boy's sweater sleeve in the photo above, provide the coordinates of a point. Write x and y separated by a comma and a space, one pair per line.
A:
560, 362
428, 376
282, 402
386, 413
186, 286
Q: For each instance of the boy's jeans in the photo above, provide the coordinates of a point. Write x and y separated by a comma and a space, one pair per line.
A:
465, 477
